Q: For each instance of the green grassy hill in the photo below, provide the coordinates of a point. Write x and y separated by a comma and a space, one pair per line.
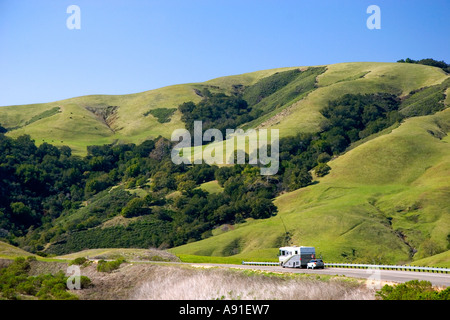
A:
382, 201
90, 120
8, 251
385, 200
82, 121
343, 78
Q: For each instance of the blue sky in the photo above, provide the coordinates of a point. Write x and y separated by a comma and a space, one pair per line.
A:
127, 46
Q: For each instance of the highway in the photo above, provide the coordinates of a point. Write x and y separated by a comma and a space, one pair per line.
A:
378, 275
436, 279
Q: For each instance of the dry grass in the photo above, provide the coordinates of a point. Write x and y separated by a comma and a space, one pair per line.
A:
143, 281
172, 283
117, 285
130, 254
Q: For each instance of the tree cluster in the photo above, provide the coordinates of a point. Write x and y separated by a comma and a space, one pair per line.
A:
356, 116
428, 62
216, 110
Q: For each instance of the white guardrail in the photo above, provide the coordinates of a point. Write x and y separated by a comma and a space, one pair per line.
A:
261, 263
363, 266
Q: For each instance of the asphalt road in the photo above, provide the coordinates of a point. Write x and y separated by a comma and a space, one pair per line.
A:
376, 275
437, 279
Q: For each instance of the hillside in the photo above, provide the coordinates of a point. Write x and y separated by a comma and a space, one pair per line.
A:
340, 79
8, 251
90, 120
99, 119
363, 177
382, 201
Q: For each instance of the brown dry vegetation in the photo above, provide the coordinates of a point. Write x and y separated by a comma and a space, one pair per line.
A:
130, 254
164, 282
148, 281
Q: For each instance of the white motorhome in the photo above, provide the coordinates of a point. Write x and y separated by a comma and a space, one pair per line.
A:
296, 257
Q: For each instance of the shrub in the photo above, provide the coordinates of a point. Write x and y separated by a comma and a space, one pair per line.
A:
322, 169
15, 282
78, 261
134, 208
412, 290
85, 282
109, 266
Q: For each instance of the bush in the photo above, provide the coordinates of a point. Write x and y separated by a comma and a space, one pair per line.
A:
15, 283
85, 282
322, 169
109, 266
134, 208
78, 261
412, 290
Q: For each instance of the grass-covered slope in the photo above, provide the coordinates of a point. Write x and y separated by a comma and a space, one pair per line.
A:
90, 120
99, 119
354, 78
8, 251
86, 121
383, 201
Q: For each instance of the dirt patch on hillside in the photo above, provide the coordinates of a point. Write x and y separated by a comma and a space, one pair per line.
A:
106, 114
276, 119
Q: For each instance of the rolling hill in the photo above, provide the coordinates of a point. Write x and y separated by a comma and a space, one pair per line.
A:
8, 251
100, 119
385, 200
93, 120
